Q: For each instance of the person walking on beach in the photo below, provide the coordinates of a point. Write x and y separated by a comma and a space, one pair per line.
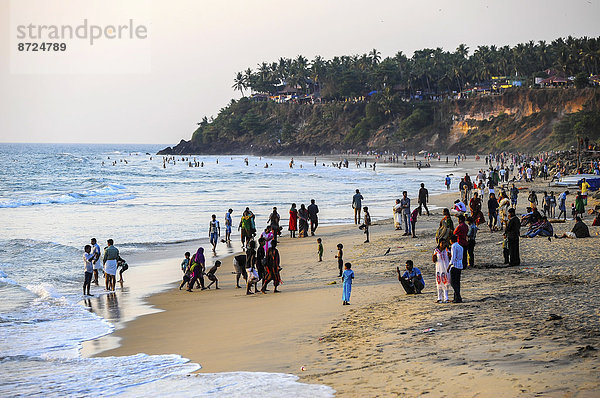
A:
95, 263
405, 202
455, 267
211, 275
293, 223
356, 205
228, 224
423, 198
412, 280
261, 258
313, 210
303, 223
512, 233
347, 278
441, 259
197, 268
214, 231
272, 269
340, 258
88, 269
111, 255
398, 215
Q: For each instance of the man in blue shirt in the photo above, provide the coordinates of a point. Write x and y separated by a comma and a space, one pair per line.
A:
412, 280
455, 268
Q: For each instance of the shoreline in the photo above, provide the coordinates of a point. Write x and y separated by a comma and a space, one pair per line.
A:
361, 349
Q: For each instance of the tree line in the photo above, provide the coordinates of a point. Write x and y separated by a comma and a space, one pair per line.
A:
428, 70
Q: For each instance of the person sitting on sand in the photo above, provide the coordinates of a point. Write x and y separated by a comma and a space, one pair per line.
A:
596, 221
347, 278
412, 280
459, 208
541, 228
211, 275
580, 230
531, 217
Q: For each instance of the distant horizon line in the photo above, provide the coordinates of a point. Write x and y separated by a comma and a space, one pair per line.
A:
81, 143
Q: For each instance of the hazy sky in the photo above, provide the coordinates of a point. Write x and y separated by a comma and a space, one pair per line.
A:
198, 46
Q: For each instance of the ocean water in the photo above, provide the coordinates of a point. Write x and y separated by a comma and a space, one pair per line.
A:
53, 198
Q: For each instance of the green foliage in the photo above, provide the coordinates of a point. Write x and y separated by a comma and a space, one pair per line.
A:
585, 123
581, 80
421, 117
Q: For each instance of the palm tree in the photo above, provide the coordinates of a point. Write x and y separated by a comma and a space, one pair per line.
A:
375, 56
239, 83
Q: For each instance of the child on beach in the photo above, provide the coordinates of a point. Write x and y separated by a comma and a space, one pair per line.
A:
121, 263
340, 257
347, 284
211, 275
253, 279
185, 264
320, 249
187, 276
88, 268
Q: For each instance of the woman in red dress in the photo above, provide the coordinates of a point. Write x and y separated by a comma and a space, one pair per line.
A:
293, 226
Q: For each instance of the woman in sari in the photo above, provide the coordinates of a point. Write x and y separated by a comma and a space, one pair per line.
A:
441, 259
503, 205
293, 224
303, 224
398, 215
272, 269
445, 229
197, 268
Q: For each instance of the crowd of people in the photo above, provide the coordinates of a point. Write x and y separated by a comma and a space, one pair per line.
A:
108, 267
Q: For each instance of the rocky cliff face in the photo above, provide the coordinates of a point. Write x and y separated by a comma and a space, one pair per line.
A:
520, 119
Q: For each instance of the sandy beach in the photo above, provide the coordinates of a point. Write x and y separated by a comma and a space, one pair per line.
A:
531, 330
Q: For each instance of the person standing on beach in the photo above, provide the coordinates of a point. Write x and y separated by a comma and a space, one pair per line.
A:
95, 264
441, 259
493, 212
512, 233
88, 269
423, 198
272, 269
405, 202
562, 204
293, 223
356, 205
268, 237
514, 195
303, 223
214, 231
247, 227
111, 255
228, 224
347, 278
456, 266
461, 231
261, 258
471, 236
313, 210
320, 249
366, 223
340, 258
398, 215
273, 221
448, 180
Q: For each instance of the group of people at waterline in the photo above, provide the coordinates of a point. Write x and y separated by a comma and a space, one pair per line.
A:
260, 261
107, 263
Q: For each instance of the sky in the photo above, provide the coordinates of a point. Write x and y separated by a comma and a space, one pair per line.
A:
184, 69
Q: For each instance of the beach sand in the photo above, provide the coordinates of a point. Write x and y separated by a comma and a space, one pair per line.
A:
532, 330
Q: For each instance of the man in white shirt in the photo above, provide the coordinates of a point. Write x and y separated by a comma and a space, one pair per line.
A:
455, 267
96, 256
88, 269
214, 231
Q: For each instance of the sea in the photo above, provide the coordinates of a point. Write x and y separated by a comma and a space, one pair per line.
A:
55, 197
